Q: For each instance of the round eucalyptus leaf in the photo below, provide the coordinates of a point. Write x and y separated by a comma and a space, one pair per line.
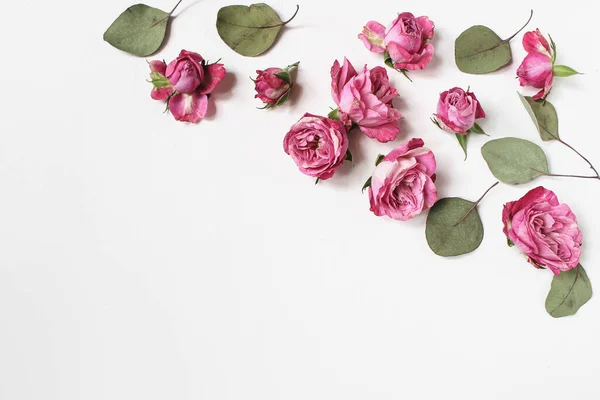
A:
544, 116
569, 291
140, 30
249, 30
479, 50
515, 161
453, 227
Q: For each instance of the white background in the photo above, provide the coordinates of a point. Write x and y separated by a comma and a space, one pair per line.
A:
143, 258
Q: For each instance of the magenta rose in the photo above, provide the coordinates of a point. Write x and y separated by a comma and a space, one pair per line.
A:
185, 84
536, 68
365, 99
405, 40
402, 185
544, 230
457, 111
318, 145
273, 85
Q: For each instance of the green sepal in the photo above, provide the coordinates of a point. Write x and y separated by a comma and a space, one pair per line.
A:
562, 71
317, 181
367, 184
334, 114
348, 156
477, 129
462, 140
509, 242
159, 80
285, 76
379, 159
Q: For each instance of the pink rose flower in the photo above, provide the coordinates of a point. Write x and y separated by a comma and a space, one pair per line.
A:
457, 111
544, 230
365, 99
536, 68
318, 145
402, 185
185, 84
405, 40
273, 85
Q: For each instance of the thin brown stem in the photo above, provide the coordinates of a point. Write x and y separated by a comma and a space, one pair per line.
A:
175, 8
572, 176
580, 155
476, 203
527, 23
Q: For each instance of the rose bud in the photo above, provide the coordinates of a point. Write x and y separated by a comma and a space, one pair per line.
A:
273, 85
544, 230
402, 185
538, 69
318, 145
185, 84
365, 99
457, 111
404, 42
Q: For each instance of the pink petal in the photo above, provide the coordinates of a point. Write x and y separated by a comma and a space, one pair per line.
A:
213, 74
372, 36
427, 26
188, 107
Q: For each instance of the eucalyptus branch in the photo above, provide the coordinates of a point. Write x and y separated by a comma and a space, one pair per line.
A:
470, 210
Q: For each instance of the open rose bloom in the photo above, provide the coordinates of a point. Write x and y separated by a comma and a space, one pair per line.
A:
185, 84
544, 230
402, 185
318, 145
404, 43
457, 111
365, 99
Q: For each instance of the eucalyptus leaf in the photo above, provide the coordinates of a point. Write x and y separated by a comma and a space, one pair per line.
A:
140, 30
479, 50
249, 30
453, 227
515, 161
569, 291
544, 116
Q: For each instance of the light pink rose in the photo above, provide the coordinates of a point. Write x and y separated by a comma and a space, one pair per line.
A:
402, 185
544, 230
318, 145
185, 83
405, 40
365, 99
269, 87
457, 111
536, 68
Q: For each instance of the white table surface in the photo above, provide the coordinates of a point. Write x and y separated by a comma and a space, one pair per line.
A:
143, 258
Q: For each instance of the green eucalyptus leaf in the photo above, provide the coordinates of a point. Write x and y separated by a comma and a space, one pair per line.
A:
544, 116
515, 161
453, 227
140, 30
569, 291
249, 30
563, 71
479, 50
462, 140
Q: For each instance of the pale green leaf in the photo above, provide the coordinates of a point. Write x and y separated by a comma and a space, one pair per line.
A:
453, 227
515, 161
140, 30
569, 291
544, 116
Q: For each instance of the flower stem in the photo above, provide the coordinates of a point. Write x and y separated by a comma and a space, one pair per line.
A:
476, 203
293, 16
175, 8
527, 23
572, 176
582, 157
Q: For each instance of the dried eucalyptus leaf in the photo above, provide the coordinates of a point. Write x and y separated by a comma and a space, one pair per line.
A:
544, 116
449, 232
479, 50
515, 161
569, 291
140, 30
249, 30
